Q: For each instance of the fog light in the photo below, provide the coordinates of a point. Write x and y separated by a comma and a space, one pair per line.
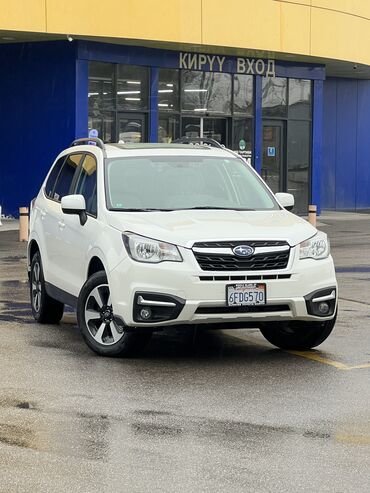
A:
324, 308
145, 313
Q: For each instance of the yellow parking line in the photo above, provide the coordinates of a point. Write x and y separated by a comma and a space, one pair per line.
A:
353, 439
311, 355
357, 367
321, 359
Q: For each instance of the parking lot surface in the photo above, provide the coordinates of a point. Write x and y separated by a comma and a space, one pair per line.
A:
199, 411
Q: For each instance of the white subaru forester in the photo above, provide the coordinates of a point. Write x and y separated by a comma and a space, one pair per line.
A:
139, 237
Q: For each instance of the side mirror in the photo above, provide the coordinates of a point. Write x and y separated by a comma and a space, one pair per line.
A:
75, 204
286, 200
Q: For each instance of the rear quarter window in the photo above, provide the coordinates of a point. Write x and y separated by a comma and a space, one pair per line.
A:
65, 177
50, 183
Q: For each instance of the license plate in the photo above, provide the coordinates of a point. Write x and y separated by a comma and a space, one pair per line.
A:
245, 294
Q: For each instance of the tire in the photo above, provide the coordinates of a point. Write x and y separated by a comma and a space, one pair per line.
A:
97, 325
45, 309
298, 335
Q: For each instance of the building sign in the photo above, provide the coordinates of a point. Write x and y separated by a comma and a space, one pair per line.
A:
271, 151
217, 63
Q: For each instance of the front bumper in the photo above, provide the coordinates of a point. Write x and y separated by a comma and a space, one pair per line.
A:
202, 294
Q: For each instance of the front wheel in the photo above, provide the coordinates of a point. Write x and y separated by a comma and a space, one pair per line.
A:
297, 335
97, 323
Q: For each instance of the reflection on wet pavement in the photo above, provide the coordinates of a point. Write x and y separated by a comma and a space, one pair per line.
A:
200, 411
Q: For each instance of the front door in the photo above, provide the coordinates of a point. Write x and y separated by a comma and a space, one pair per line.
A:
210, 128
273, 155
131, 128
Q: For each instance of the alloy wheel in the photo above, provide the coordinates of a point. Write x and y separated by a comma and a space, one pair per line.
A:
36, 287
99, 317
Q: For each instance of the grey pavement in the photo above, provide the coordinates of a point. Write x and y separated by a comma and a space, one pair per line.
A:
200, 412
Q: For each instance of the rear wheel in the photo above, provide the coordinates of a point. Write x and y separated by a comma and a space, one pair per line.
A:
45, 309
297, 335
97, 323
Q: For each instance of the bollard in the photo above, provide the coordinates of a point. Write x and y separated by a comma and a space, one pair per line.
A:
23, 224
312, 210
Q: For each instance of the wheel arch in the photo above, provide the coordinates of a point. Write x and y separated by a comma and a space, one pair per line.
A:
33, 247
95, 265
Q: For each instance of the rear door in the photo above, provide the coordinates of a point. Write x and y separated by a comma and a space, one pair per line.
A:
76, 240
55, 269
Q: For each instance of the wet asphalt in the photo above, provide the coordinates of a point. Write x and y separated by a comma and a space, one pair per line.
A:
198, 412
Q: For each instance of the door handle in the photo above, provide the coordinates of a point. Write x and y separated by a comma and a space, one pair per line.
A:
43, 213
61, 224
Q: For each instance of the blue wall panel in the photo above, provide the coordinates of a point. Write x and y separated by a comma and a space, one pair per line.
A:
37, 109
329, 145
345, 180
363, 146
346, 144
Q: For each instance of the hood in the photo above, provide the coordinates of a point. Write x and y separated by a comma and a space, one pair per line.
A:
185, 227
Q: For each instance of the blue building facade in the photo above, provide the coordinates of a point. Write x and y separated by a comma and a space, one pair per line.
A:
304, 134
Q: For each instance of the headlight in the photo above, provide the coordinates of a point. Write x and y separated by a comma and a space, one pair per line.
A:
151, 251
317, 247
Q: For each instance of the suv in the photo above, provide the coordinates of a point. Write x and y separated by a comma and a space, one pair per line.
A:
139, 237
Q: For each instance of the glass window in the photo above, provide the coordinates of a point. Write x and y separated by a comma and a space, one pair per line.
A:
274, 96
65, 177
86, 183
243, 137
168, 128
243, 94
188, 181
168, 90
104, 124
206, 92
132, 87
101, 94
299, 99
49, 187
299, 163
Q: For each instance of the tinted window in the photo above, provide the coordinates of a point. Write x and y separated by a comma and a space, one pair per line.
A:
101, 96
243, 95
49, 187
132, 87
206, 92
274, 96
65, 178
299, 162
168, 90
86, 183
299, 98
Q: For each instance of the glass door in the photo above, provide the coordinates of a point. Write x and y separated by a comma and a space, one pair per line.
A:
273, 154
131, 128
210, 128
215, 128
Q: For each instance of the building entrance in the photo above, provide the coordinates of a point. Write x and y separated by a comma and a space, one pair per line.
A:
207, 127
131, 128
273, 169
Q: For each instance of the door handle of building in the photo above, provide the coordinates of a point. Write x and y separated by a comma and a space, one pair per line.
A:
61, 224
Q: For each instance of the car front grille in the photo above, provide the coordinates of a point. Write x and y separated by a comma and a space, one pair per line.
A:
268, 260
233, 244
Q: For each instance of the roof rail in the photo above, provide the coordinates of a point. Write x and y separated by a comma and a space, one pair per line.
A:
87, 140
198, 140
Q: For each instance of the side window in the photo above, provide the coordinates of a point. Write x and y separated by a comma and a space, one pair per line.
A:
65, 177
49, 187
86, 184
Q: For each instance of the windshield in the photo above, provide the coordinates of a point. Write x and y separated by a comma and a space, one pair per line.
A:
184, 182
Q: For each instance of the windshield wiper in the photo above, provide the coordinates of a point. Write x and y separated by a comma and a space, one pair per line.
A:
206, 207
142, 210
